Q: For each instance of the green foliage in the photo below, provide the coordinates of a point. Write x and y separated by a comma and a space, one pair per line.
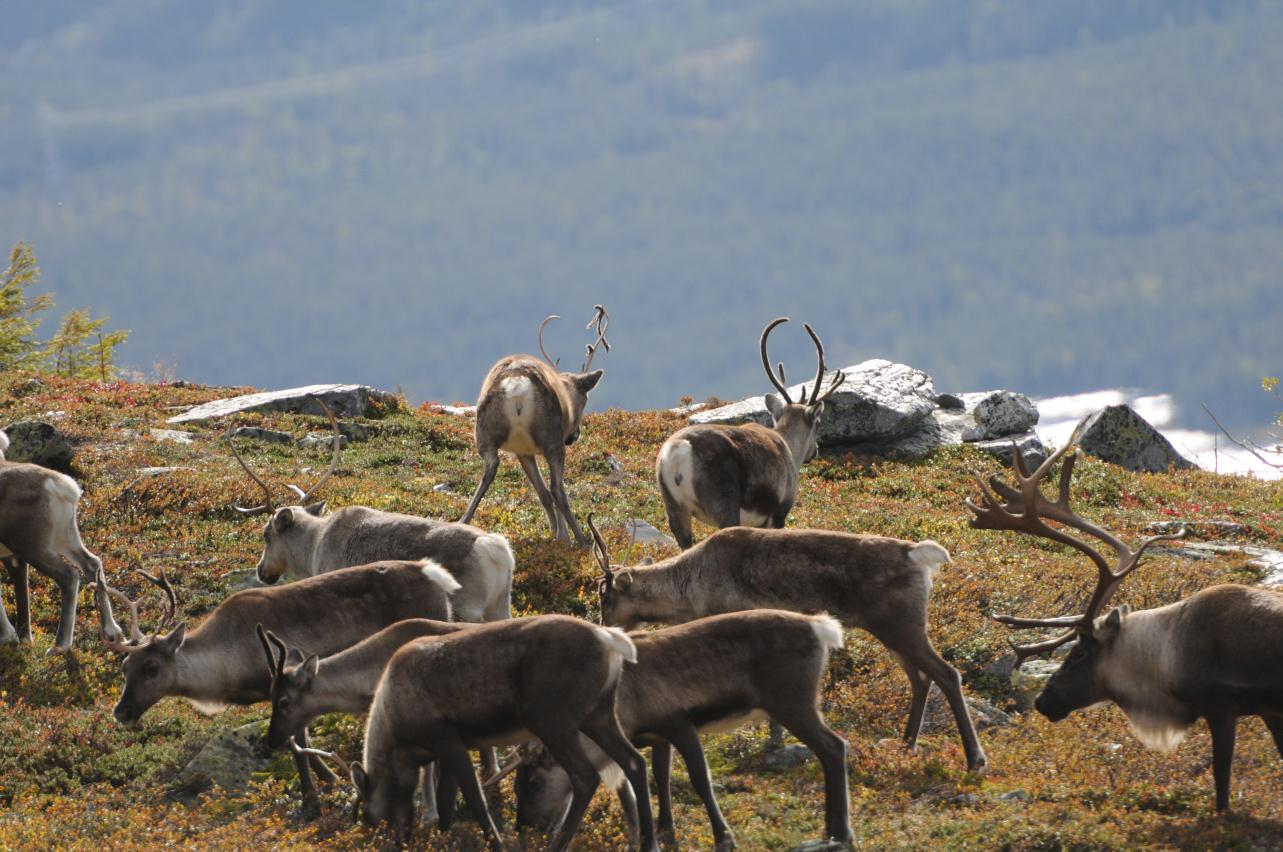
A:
80, 348
19, 349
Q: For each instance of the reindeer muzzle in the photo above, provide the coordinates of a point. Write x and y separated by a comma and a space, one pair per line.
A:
572, 437
1048, 706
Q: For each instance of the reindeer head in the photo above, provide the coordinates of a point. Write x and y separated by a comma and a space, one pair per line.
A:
578, 385
542, 790
387, 797
291, 691
285, 543
797, 421
1082, 679
619, 607
150, 662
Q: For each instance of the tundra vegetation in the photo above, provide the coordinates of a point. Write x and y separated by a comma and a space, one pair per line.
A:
68, 774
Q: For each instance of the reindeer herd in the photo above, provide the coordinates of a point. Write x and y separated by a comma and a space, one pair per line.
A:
407, 620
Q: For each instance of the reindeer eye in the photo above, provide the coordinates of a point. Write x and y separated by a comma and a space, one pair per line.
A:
284, 703
151, 670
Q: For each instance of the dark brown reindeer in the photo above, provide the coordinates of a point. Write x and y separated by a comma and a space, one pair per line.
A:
711, 674
305, 540
220, 662
1216, 655
528, 408
550, 676
744, 475
881, 585
38, 528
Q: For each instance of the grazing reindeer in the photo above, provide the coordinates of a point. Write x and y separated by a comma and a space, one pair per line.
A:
305, 688
1216, 655
304, 540
38, 528
710, 674
745, 475
528, 408
551, 677
220, 662
879, 584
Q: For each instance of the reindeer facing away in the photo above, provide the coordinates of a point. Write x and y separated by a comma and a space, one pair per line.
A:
743, 475
1217, 655
528, 408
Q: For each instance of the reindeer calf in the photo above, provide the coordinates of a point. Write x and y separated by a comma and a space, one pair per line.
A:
711, 675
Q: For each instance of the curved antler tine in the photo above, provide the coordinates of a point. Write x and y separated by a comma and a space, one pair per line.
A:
819, 370
507, 769
1024, 652
281, 651
135, 634
766, 361
171, 598
324, 755
599, 548
542, 351
267, 649
600, 319
268, 506
334, 458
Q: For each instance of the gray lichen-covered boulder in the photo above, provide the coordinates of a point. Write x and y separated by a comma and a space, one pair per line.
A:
229, 760
271, 436
985, 415
1030, 445
342, 400
1119, 435
38, 442
878, 401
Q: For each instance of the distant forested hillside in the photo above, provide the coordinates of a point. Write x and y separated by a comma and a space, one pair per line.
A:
1049, 197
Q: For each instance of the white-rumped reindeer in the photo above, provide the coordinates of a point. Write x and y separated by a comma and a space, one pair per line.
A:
744, 475
38, 528
1216, 655
305, 540
528, 408
881, 585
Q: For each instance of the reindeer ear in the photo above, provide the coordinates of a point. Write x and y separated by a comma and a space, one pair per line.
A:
775, 405
311, 666
624, 579
817, 411
361, 781
283, 520
649, 560
316, 509
1108, 630
585, 382
172, 641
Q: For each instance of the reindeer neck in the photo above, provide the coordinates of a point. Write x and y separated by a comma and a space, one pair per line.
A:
670, 582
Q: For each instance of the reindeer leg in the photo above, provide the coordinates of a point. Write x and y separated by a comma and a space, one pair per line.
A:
556, 475
21, 602
311, 801
447, 796
602, 727
679, 519
661, 767
686, 739
492, 467
926, 660
921, 686
323, 772
566, 750
1222, 728
807, 725
628, 807
531, 468
51, 565
455, 759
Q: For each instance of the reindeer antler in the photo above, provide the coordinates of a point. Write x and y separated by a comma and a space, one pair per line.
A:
269, 505
1026, 509
838, 377
781, 384
136, 637
600, 319
542, 351
599, 551
323, 755
521, 756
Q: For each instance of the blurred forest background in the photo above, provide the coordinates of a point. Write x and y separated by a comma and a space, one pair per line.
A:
1050, 197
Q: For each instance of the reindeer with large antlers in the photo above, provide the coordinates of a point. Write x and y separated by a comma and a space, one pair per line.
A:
305, 540
1216, 655
744, 475
528, 408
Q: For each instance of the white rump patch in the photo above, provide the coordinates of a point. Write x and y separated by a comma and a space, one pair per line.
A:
677, 471
494, 558
62, 488
518, 408
617, 641
4, 444
828, 630
930, 555
439, 575
208, 708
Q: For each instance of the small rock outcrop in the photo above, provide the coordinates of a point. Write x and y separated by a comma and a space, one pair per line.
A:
939, 717
271, 436
342, 400
1119, 435
229, 760
38, 442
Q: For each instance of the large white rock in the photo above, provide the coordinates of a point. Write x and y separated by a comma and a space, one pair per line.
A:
343, 400
877, 401
1119, 435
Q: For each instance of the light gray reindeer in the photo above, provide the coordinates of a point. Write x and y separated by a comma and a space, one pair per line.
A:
305, 540
881, 585
550, 676
528, 408
744, 475
1216, 655
220, 662
38, 528
710, 675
